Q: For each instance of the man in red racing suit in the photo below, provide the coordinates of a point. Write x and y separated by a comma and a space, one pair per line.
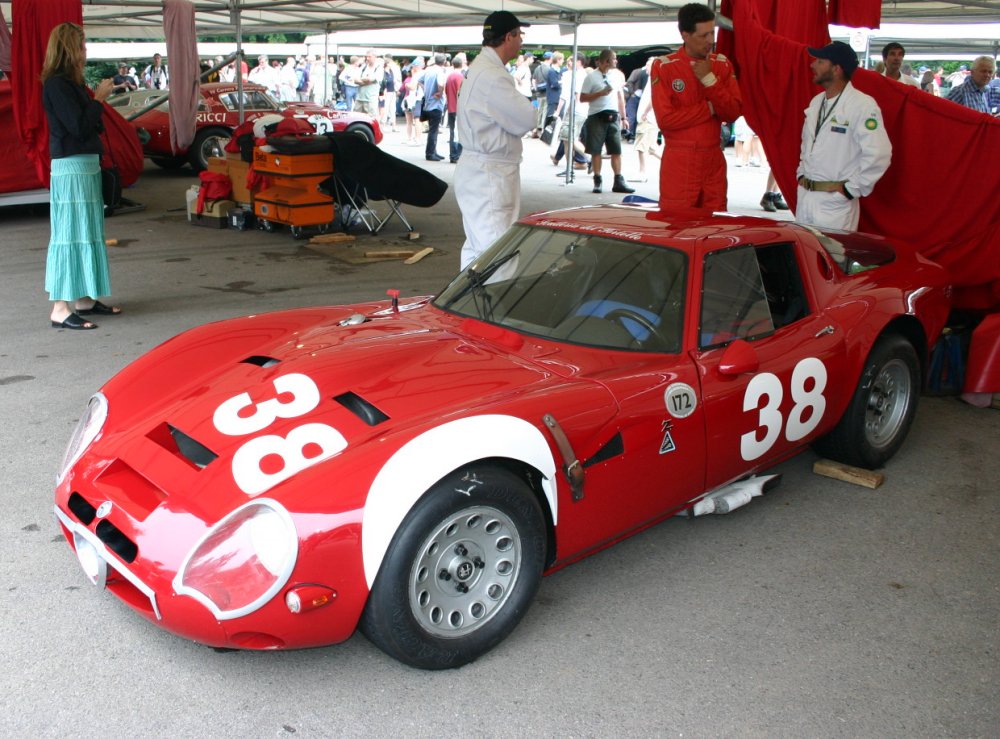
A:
694, 91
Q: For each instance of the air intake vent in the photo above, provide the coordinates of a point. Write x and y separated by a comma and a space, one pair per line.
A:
262, 361
81, 508
362, 408
614, 448
117, 541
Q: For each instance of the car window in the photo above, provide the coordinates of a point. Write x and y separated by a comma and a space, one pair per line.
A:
252, 100
578, 288
137, 100
749, 292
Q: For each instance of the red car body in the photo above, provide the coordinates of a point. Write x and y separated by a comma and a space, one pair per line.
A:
218, 117
351, 433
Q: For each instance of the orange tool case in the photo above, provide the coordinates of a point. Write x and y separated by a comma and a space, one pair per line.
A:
293, 196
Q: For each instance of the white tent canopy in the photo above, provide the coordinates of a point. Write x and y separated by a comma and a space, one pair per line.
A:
143, 18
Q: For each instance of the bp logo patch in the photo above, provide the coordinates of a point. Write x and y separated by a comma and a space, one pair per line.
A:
678, 85
871, 124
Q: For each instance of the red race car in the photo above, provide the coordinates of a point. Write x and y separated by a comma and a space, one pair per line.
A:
218, 117
415, 466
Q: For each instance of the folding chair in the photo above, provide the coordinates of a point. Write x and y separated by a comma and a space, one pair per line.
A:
355, 201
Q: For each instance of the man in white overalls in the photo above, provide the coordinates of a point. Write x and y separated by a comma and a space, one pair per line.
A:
492, 118
845, 149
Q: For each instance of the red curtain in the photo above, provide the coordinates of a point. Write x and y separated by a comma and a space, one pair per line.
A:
33, 21
17, 173
939, 193
856, 13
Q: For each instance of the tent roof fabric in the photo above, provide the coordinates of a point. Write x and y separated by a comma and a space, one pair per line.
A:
144, 18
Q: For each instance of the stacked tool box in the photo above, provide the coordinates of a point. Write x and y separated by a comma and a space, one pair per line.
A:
293, 197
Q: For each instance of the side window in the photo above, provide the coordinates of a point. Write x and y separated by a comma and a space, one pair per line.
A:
733, 300
750, 292
260, 101
779, 271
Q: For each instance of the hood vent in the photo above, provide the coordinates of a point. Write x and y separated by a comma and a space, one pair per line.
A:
261, 361
362, 409
194, 452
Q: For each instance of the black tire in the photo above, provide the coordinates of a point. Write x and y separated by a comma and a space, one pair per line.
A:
208, 142
360, 129
882, 409
460, 572
169, 162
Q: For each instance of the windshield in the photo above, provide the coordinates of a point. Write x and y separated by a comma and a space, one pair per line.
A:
577, 288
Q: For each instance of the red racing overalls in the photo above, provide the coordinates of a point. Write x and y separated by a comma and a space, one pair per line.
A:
690, 115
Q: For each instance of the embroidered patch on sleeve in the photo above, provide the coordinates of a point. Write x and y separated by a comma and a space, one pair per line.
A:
871, 124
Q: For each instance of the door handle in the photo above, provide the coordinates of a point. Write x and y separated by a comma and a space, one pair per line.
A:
824, 331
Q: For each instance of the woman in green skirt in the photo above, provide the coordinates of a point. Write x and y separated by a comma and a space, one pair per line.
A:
76, 269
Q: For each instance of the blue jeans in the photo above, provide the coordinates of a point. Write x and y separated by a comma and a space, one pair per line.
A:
454, 148
433, 126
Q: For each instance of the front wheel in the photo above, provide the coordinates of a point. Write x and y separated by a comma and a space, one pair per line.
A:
460, 572
882, 409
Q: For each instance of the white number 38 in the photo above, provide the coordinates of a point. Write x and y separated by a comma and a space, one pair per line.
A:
804, 416
264, 461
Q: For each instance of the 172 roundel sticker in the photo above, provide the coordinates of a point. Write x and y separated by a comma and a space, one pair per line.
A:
680, 399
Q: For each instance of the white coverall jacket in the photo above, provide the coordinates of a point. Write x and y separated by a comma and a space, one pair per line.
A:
851, 146
492, 118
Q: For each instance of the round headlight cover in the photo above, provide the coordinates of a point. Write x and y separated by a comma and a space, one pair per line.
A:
86, 431
242, 562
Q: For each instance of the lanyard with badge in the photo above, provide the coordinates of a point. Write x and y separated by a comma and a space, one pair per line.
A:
824, 115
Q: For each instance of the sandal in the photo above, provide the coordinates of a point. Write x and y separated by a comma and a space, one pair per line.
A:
74, 322
99, 308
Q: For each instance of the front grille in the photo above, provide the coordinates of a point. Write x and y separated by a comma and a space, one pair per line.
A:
113, 537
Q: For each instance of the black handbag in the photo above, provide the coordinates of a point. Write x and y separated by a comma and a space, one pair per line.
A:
418, 110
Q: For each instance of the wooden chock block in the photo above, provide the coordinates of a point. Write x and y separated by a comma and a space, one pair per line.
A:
334, 238
419, 255
390, 253
853, 475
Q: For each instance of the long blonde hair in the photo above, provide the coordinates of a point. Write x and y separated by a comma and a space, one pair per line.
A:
65, 55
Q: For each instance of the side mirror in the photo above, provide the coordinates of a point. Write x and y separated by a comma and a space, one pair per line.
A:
739, 358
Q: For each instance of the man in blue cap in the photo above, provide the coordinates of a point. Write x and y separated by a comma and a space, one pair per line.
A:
492, 118
845, 149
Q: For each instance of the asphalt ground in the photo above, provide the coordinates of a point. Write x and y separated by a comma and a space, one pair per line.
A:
820, 610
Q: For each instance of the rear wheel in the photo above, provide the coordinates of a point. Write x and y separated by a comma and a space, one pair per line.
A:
360, 129
460, 572
209, 142
882, 409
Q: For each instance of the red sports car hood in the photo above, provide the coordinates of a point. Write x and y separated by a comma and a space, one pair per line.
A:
179, 416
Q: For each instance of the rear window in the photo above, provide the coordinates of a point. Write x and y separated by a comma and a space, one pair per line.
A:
854, 253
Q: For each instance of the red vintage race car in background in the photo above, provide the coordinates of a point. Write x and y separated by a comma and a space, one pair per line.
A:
275, 481
218, 117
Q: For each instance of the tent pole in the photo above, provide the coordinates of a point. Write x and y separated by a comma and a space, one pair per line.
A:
236, 15
570, 141
326, 64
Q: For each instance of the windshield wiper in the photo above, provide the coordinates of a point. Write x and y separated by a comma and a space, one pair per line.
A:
477, 284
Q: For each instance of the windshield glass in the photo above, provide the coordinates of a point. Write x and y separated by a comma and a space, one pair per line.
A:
577, 288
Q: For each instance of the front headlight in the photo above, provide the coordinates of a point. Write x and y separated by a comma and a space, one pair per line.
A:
87, 429
241, 562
